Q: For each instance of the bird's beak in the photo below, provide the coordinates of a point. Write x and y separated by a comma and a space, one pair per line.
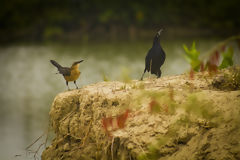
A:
79, 61
159, 32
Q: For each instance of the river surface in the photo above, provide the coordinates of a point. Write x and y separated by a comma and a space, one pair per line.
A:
28, 82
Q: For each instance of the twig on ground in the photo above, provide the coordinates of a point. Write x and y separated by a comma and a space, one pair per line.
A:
29, 146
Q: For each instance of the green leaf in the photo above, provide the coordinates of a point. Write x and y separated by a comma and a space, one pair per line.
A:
196, 65
185, 49
188, 59
192, 56
193, 45
227, 58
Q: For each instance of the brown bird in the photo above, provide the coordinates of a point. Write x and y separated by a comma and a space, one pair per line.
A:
69, 74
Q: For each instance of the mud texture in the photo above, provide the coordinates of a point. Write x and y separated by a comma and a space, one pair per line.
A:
194, 121
228, 81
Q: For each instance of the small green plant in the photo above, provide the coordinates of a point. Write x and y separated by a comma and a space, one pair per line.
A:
227, 58
137, 85
192, 56
105, 78
123, 87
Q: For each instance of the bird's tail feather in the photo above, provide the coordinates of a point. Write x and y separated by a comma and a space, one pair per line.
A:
56, 64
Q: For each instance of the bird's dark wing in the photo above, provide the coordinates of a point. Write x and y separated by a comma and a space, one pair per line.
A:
158, 56
163, 56
148, 60
65, 71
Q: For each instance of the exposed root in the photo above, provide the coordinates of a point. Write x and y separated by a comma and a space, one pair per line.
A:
112, 148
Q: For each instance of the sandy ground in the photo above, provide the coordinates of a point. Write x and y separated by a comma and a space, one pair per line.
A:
173, 117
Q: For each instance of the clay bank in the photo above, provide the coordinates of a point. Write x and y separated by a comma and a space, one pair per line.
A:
174, 117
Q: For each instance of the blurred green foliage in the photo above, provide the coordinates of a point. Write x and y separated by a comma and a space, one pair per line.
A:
192, 56
199, 108
227, 58
31, 19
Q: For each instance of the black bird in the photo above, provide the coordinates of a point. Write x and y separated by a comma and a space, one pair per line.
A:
155, 57
69, 74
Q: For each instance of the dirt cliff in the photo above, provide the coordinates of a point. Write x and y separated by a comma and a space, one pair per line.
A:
174, 117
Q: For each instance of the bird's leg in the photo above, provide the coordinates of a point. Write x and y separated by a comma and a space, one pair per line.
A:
159, 73
150, 68
143, 74
67, 85
76, 84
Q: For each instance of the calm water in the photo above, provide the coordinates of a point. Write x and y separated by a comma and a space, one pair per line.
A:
28, 82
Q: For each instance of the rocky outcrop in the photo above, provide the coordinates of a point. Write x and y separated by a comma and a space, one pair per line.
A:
173, 117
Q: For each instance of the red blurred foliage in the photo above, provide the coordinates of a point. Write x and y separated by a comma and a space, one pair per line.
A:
107, 122
166, 108
202, 68
191, 74
223, 47
215, 58
213, 62
122, 118
152, 105
114, 123
171, 93
156, 107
